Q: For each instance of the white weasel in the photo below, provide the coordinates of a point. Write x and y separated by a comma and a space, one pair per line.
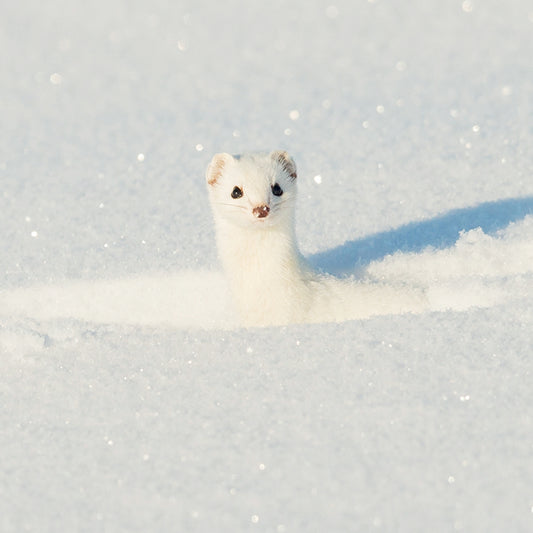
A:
253, 201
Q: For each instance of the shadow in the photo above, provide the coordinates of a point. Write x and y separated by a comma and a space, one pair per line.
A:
440, 232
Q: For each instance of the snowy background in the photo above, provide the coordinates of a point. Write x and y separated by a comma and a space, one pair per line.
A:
130, 401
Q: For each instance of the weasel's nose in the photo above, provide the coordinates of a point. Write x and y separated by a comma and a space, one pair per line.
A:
261, 211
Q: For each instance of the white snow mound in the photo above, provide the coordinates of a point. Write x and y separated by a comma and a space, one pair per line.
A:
480, 270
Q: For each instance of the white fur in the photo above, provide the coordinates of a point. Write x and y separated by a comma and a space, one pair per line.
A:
270, 281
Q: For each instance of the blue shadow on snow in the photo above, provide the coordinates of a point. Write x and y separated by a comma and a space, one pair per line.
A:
439, 232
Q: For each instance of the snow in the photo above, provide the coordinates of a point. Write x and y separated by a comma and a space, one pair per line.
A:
130, 399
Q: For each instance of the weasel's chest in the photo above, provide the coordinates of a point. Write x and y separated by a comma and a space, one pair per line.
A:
268, 291
267, 280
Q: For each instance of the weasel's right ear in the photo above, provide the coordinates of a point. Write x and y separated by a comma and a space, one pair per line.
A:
216, 167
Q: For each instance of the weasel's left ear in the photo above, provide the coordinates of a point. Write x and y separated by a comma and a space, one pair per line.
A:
286, 161
216, 167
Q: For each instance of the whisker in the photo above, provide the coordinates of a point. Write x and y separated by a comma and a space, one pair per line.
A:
281, 207
233, 206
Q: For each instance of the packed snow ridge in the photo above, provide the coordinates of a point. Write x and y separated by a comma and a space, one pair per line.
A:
481, 269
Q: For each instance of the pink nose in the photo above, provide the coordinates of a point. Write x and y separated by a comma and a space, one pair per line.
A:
261, 211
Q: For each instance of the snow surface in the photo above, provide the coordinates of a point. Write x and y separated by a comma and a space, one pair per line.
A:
131, 401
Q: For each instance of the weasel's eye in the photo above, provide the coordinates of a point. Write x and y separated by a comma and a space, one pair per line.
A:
277, 190
236, 192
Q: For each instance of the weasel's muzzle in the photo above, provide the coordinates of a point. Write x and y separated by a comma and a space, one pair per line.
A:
261, 211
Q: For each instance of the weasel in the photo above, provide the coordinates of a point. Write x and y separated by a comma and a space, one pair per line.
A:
253, 202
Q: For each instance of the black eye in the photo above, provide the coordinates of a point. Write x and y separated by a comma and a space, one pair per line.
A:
236, 192
277, 190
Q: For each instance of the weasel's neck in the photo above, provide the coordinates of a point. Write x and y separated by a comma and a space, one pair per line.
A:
258, 255
268, 276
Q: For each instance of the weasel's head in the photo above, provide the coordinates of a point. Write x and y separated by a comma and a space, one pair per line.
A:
255, 189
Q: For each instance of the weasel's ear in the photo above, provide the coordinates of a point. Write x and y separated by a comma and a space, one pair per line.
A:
286, 161
216, 167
